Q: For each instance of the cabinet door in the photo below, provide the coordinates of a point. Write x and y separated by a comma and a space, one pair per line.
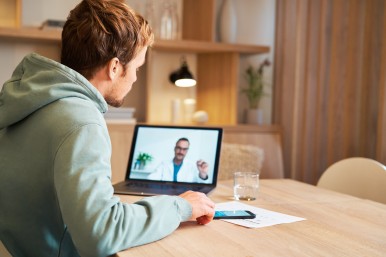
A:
10, 11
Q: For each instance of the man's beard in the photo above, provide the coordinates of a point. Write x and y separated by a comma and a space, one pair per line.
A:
114, 102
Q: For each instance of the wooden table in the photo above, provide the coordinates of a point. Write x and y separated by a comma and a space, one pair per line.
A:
335, 225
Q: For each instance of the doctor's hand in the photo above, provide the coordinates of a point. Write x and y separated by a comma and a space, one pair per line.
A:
202, 206
202, 167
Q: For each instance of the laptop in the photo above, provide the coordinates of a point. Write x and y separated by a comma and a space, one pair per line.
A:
170, 160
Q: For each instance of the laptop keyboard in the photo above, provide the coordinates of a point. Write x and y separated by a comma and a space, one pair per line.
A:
160, 188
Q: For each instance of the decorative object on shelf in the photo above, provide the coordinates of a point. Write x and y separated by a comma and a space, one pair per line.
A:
189, 109
142, 160
53, 24
200, 117
169, 21
254, 92
151, 17
183, 77
119, 113
228, 22
175, 111
254, 116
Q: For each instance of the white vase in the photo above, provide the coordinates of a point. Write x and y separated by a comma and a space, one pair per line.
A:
254, 116
228, 22
169, 21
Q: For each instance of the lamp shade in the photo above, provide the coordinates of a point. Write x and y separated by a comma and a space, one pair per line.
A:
183, 77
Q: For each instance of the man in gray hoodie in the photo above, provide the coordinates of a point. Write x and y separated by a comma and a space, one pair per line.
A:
56, 197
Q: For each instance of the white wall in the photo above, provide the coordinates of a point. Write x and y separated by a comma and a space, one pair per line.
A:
256, 26
36, 11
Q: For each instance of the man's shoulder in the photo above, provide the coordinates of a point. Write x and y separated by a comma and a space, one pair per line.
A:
77, 110
68, 115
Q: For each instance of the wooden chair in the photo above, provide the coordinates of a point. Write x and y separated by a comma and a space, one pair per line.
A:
357, 176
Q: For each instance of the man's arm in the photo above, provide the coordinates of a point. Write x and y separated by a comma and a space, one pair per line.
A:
98, 222
202, 206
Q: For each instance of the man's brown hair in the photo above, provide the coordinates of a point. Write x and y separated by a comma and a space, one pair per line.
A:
98, 30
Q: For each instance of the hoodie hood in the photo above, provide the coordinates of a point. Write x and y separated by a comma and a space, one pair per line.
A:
38, 81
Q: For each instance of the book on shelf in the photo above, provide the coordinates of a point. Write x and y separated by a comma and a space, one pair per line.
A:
52, 24
120, 115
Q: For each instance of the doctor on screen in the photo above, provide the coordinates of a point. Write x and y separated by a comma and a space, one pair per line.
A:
179, 168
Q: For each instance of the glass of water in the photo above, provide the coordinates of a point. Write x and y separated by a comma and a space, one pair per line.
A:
246, 186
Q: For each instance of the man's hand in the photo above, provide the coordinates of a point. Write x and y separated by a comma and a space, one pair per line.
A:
202, 167
202, 206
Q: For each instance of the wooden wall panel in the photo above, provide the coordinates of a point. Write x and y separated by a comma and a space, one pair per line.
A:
10, 13
217, 86
329, 83
199, 20
381, 133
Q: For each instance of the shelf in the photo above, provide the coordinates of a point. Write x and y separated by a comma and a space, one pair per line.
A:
193, 46
218, 64
29, 33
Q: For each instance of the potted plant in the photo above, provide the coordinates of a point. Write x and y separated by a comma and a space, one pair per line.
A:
142, 160
255, 91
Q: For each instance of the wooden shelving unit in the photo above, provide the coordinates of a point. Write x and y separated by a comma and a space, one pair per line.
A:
30, 34
195, 46
217, 70
217, 63
189, 46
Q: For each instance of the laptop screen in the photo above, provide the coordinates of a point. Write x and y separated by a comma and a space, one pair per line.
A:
175, 154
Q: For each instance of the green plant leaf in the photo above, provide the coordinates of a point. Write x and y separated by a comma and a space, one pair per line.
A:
255, 90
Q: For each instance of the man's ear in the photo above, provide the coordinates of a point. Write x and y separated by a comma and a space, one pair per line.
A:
114, 68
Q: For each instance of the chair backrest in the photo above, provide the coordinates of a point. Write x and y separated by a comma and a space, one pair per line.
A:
239, 157
357, 176
266, 138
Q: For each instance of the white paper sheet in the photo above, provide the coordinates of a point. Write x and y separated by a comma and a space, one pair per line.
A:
264, 218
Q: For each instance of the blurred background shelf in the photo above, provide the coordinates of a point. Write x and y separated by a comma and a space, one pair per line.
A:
31, 34
188, 46
215, 64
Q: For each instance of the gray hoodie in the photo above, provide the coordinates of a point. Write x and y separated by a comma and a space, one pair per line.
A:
56, 197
